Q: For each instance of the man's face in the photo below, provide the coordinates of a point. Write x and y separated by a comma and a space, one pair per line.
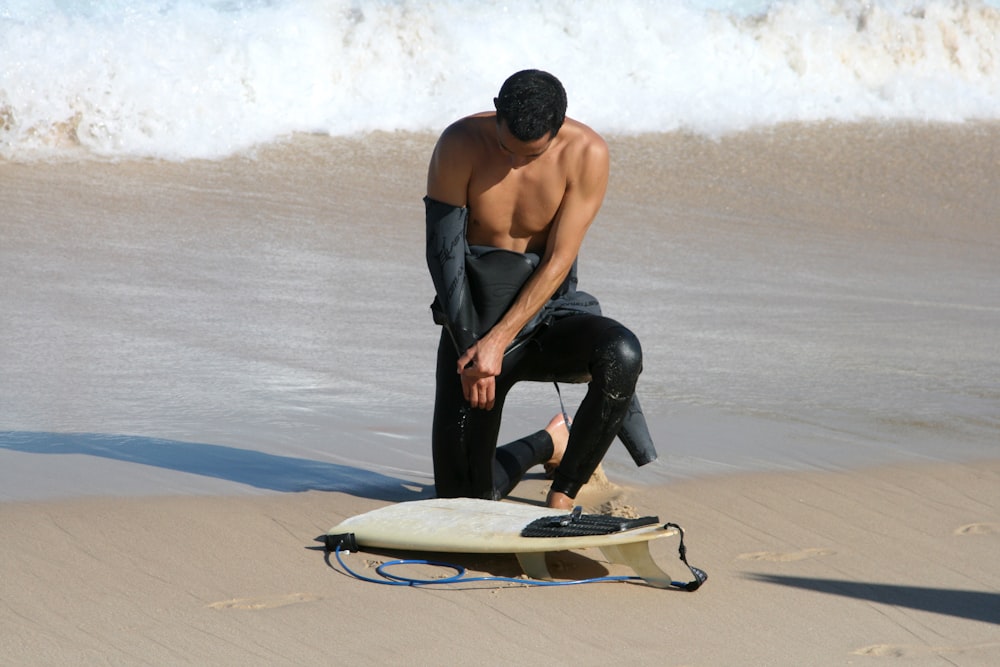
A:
520, 152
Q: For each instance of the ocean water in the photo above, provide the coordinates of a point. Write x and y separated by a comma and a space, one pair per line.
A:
181, 79
812, 297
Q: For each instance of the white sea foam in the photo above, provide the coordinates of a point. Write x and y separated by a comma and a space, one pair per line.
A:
179, 79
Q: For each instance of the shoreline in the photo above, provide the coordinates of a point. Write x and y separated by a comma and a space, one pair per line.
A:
806, 296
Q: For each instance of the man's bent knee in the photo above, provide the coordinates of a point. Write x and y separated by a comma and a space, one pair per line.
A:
619, 362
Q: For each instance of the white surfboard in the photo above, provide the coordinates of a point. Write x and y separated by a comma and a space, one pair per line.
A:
469, 525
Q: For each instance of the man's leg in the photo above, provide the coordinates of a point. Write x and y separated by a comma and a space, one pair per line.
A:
515, 458
571, 350
467, 462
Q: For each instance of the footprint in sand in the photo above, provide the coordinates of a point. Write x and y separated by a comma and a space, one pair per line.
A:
983, 528
914, 651
786, 556
264, 602
889, 651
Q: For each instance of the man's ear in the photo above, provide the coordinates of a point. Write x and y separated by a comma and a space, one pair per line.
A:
496, 103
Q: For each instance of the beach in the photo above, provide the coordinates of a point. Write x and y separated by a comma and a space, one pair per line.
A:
207, 363
878, 567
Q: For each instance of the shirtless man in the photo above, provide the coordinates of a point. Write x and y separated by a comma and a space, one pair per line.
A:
522, 184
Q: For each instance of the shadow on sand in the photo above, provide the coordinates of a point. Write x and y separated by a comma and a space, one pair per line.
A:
973, 605
244, 466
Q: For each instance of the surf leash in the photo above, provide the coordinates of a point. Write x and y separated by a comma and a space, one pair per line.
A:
700, 576
562, 407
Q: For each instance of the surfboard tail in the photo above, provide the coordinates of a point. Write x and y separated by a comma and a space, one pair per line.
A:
342, 541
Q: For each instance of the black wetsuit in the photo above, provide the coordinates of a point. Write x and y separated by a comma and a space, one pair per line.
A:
567, 341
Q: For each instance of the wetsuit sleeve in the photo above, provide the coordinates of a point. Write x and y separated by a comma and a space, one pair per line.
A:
446, 262
634, 434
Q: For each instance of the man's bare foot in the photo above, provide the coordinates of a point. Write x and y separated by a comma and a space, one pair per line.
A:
560, 436
559, 501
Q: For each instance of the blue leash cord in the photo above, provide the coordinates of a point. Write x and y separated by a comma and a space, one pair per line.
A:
389, 579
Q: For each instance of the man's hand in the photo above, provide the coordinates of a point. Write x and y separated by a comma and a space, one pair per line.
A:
479, 367
479, 392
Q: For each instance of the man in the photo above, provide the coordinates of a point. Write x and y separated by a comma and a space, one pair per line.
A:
510, 197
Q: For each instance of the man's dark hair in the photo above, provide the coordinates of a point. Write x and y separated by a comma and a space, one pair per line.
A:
532, 103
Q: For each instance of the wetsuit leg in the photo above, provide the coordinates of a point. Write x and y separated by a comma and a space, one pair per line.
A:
467, 462
572, 349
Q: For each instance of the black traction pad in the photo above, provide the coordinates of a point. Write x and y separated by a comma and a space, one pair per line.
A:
579, 525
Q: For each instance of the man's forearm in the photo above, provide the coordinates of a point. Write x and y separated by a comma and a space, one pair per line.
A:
445, 254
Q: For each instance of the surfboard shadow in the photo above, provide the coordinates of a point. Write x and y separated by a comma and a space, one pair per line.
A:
973, 605
564, 565
243, 466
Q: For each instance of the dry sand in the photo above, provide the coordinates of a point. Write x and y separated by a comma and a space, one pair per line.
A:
883, 567
185, 407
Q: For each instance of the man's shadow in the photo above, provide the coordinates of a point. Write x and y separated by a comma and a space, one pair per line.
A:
243, 466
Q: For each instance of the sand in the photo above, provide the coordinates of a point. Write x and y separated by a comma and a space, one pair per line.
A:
892, 566
206, 365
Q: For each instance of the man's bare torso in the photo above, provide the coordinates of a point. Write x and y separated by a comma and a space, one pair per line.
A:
512, 199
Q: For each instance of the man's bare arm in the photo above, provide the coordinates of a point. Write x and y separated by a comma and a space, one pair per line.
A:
450, 167
448, 178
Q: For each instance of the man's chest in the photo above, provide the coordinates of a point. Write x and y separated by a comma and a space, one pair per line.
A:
519, 204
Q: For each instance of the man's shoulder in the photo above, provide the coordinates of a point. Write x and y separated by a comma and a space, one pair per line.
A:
469, 129
464, 141
583, 136
585, 151
460, 147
